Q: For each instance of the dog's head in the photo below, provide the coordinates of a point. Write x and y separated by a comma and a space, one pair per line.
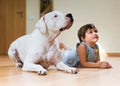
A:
55, 21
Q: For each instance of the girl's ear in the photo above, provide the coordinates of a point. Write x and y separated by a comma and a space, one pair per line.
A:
83, 39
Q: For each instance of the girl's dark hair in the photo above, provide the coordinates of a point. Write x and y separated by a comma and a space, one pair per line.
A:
83, 29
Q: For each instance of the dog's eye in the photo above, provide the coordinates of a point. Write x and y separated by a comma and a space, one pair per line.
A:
55, 16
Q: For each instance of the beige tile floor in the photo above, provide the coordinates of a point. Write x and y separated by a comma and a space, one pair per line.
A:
12, 76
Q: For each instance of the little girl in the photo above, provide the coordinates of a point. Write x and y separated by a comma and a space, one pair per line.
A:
86, 53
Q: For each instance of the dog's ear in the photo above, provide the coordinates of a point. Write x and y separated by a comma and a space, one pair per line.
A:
41, 25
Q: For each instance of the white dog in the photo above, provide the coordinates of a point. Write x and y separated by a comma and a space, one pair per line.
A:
38, 50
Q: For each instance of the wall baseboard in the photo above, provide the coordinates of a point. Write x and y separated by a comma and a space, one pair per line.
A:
110, 54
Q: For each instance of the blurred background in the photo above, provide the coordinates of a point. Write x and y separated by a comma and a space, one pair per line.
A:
18, 17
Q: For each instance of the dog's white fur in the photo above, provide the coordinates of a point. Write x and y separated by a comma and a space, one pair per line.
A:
38, 50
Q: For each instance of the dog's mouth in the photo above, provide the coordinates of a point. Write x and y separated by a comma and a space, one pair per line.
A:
70, 20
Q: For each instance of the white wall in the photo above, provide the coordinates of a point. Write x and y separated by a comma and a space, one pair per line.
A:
105, 14
32, 14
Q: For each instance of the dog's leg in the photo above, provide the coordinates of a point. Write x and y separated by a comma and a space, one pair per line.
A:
28, 66
64, 67
14, 55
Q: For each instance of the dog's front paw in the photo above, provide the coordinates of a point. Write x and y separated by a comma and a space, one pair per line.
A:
42, 72
64, 67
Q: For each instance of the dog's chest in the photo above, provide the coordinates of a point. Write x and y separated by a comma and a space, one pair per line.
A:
49, 57
48, 54
45, 63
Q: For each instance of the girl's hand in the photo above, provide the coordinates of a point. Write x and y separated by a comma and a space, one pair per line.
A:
104, 65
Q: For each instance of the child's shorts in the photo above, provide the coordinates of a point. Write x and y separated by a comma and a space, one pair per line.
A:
70, 57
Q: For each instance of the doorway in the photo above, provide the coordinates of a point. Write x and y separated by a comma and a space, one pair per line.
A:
12, 22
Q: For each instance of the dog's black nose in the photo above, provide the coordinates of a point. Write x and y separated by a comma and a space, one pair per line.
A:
70, 16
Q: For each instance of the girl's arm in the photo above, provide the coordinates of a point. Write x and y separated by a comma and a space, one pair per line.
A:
82, 53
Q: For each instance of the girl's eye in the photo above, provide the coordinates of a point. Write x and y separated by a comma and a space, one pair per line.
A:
90, 32
96, 31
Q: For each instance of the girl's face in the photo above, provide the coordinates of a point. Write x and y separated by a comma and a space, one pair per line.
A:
91, 36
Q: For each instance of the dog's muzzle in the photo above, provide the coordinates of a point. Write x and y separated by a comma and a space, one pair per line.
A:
70, 22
